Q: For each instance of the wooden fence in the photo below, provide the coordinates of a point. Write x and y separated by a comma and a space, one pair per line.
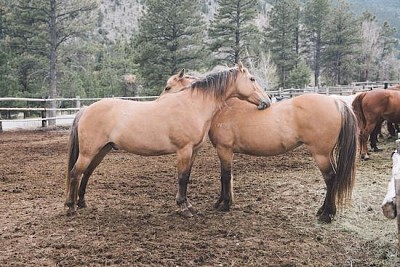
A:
36, 110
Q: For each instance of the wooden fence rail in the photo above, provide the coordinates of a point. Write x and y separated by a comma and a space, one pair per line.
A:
37, 109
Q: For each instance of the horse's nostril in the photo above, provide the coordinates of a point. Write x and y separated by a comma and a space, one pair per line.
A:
262, 105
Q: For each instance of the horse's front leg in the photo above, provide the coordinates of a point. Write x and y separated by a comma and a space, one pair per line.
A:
226, 196
186, 158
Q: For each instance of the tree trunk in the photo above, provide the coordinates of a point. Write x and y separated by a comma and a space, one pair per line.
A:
237, 33
53, 60
317, 60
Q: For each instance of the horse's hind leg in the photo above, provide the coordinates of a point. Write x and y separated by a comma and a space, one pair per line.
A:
374, 136
80, 166
328, 210
226, 196
92, 166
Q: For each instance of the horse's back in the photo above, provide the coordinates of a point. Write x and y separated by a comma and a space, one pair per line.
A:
382, 103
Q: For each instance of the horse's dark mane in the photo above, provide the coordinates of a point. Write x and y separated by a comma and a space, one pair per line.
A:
216, 83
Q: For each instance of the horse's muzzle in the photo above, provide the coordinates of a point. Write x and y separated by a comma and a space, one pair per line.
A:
264, 104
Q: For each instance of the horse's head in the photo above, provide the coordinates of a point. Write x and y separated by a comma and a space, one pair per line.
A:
247, 88
178, 82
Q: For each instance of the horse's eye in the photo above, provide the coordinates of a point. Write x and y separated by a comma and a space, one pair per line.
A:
167, 88
252, 79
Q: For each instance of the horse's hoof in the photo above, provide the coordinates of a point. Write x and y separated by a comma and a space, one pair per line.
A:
81, 204
216, 205
71, 212
224, 208
325, 218
192, 210
366, 157
377, 149
185, 213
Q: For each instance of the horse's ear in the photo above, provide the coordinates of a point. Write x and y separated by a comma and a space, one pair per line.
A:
240, 66
181, 73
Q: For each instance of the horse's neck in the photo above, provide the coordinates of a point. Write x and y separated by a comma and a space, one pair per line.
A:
207, 105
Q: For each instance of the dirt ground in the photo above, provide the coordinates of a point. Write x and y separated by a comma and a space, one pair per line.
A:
131, 217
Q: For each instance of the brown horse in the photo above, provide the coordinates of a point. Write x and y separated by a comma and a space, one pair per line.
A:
174, 123
237, 128
371, 109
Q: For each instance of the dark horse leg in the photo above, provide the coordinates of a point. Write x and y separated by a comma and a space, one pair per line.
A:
391, 127
73, 182
328, 209
186, 157
88, 172
373, 139
226, 196
364, 135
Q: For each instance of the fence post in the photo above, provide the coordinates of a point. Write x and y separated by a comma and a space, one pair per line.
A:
78, 102
44, 121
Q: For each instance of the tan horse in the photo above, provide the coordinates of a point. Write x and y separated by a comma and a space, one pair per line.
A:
174, 123
238, 128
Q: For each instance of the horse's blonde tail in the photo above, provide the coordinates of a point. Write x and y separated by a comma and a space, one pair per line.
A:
346, 155
73, 149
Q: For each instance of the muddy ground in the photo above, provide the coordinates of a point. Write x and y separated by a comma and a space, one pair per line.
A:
131, 220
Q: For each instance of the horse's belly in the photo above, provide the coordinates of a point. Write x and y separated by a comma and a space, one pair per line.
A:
266, 148
146, 145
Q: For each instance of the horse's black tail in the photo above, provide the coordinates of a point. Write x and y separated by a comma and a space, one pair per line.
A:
346, 155
73, 149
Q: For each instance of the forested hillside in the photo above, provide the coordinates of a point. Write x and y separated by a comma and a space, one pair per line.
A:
120, 17
384, 10
99, 48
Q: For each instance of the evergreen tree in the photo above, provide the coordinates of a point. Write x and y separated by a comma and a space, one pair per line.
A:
315, 14
232, 30
300, 76
40, 27
283, 37
342, 42
8, 83
171, 36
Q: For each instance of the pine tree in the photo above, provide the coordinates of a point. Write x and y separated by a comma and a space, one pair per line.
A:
283, 37
342, 42
315, 14
171, 37
40, 27
232, 30
299, 76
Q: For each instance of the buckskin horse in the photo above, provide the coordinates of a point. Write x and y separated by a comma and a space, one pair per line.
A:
174, 123
238, 128
371, 109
